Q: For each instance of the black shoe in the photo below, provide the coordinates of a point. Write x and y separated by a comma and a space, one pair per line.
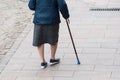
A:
43, 65
54, 61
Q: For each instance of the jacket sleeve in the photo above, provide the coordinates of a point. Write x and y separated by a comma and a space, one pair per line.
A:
63, 8
32, 4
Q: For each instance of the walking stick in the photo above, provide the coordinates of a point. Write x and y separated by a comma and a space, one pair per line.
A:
78, 61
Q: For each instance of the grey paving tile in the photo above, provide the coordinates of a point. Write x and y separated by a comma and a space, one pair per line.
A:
68, 67
86, 45
107, 68
92, 74
77, 78
10, 73
34, 78
99, 78
110, 45
86, 67
112, 33
7, 78
114, 79
64, 73
27, 74
115, 74
55, 73
99, 50
13, 67
116, 59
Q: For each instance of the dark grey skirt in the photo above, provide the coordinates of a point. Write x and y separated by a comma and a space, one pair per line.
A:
45, 34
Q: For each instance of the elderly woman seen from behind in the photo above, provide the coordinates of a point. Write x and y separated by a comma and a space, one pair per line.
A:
46, 25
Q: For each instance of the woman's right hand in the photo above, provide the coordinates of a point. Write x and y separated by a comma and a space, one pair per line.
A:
68, 21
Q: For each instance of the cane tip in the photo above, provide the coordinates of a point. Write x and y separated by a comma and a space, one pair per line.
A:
78, 62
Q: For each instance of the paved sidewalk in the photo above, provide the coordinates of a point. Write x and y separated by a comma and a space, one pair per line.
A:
97, 38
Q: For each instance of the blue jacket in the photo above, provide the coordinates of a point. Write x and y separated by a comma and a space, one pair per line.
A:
47, 11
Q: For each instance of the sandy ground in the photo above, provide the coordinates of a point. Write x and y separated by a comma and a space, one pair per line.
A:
14, 16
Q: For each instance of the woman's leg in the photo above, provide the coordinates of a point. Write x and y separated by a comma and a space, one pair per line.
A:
41, 52
53, 59
53, 50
